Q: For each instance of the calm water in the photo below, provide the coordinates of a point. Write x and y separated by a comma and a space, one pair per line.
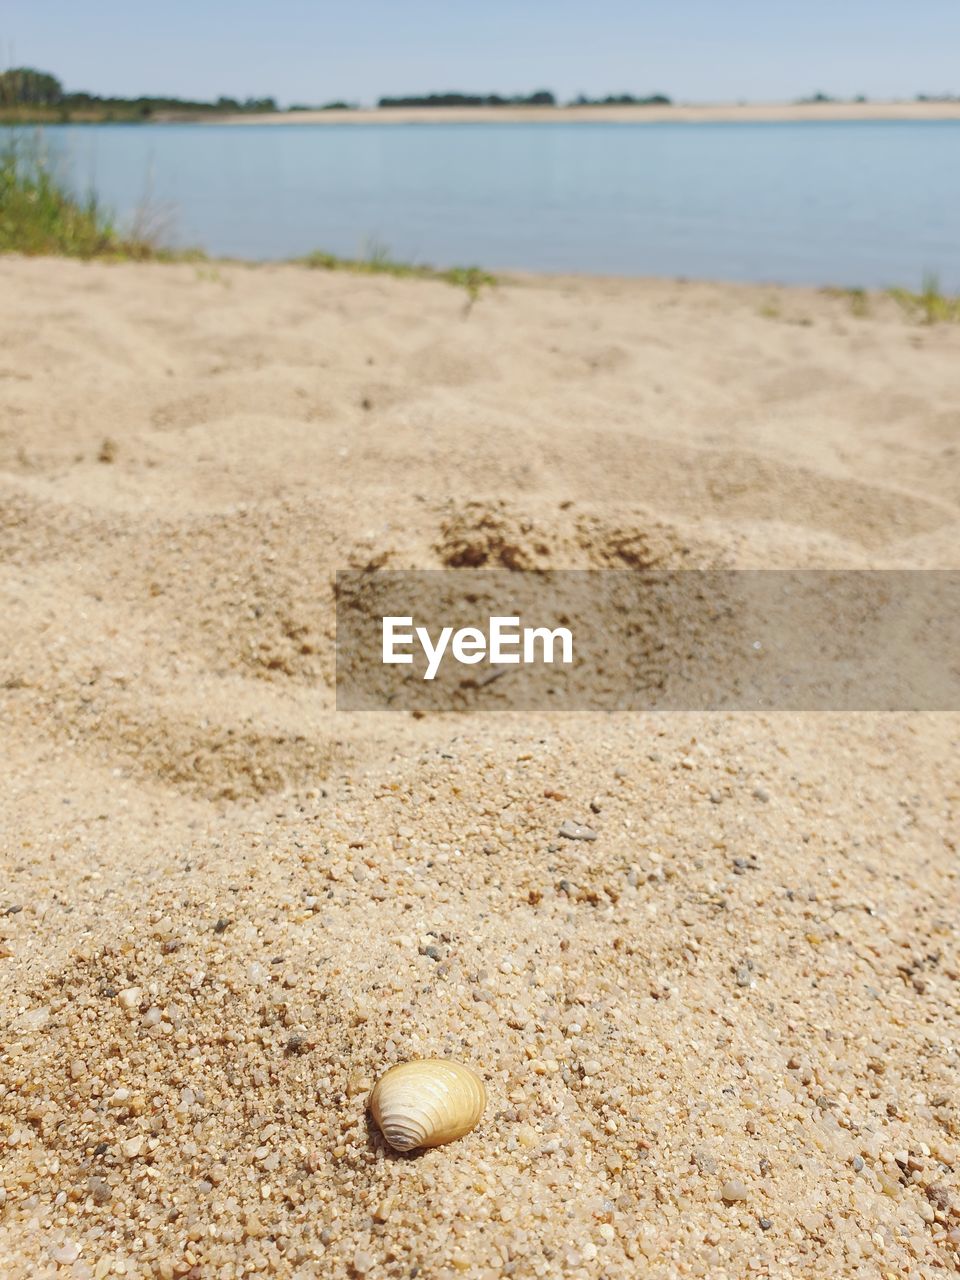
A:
870, 203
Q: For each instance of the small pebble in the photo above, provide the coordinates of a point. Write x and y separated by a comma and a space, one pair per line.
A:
100, 1189
65, 1254
732, 1190
571, 830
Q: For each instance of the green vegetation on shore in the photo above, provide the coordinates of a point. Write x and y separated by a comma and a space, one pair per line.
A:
541, 98
40, 214
28, 96
623, 100
929, 306
379, 262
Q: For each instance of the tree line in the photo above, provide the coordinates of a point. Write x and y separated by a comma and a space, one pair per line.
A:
541, 98
28, 89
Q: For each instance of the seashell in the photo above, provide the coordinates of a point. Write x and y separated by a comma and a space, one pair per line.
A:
426, 1103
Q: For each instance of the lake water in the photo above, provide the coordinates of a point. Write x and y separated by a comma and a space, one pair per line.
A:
863, 203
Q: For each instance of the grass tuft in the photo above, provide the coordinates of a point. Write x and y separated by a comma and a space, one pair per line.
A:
931, 305
41, 215
378, 262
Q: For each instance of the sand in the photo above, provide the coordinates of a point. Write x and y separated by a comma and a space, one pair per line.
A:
719, 1040
707, 113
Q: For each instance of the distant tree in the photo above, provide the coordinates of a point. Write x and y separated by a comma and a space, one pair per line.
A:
24, 86
542, 97
326, 106
623, 100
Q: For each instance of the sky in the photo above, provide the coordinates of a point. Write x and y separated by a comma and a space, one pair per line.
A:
311, 51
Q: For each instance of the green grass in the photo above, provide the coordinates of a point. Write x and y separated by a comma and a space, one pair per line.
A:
41, 214
931, 305
379, 263
65, 115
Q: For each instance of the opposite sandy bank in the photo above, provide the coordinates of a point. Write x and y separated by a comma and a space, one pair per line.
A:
718, 1040
753, 113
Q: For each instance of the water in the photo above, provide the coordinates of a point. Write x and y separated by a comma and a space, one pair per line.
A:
858, 203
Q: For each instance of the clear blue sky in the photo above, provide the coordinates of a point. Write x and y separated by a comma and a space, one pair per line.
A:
313, 51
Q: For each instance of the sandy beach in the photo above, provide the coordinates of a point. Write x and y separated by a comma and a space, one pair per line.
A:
718, 113
721, 1039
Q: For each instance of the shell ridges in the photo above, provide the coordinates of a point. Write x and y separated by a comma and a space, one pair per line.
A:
427, 1102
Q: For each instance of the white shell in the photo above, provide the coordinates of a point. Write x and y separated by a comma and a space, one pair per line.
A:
426, 1103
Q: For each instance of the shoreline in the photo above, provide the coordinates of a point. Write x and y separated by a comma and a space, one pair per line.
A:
712, 113
771, 113
476, 280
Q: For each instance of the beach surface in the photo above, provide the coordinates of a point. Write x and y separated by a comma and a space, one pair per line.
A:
720, 113
719, 1039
